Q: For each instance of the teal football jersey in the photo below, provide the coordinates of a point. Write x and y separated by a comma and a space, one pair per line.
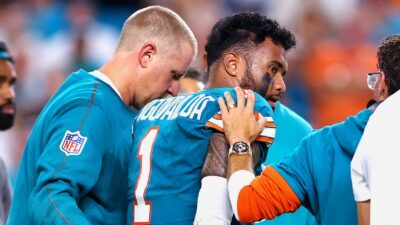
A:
170, 146
74, 166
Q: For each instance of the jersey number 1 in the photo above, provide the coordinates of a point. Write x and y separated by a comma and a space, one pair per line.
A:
142, 208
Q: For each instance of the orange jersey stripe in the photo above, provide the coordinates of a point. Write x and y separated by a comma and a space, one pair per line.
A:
270, 124
218, 116
214, 126
268, 196
265, 139
259, 138
257, 115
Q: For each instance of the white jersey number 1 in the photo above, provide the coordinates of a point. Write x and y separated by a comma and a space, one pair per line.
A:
142, 208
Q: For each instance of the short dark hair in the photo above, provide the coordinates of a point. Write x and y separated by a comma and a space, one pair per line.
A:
4, 53
243, 31
389, 61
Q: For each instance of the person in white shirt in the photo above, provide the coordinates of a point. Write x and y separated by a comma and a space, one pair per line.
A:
375, 165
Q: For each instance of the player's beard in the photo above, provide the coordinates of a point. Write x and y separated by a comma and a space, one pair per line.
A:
6, 119
248, 82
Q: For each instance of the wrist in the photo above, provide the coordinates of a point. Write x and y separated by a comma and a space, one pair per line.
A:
240, 148
238, 139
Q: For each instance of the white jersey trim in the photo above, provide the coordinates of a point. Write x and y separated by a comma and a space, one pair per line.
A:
105, 79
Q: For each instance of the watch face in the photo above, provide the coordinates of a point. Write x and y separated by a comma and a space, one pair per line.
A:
240, 147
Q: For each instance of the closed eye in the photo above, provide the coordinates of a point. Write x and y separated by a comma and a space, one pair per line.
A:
12, 81
176, 75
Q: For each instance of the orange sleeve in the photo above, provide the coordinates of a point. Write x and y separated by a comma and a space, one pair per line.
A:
268, 196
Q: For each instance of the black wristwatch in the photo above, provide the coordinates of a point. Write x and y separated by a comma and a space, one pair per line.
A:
240, 147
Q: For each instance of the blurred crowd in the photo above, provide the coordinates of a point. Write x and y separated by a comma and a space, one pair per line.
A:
326, 82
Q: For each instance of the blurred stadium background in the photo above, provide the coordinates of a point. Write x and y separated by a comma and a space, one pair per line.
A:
337, 42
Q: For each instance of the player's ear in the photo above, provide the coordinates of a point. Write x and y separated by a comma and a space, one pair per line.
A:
383, 87
146, 54
231, 63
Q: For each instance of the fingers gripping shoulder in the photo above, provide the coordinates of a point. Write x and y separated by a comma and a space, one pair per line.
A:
267, 135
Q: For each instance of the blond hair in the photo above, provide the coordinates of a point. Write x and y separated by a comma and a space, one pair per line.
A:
155, 23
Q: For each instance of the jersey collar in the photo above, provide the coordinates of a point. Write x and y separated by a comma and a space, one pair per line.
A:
105, 79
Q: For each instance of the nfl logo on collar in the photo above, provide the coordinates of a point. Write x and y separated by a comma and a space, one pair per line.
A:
73, 143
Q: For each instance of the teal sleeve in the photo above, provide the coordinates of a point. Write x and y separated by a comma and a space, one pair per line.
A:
63, 179
262, 106
297, 169
291, 129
